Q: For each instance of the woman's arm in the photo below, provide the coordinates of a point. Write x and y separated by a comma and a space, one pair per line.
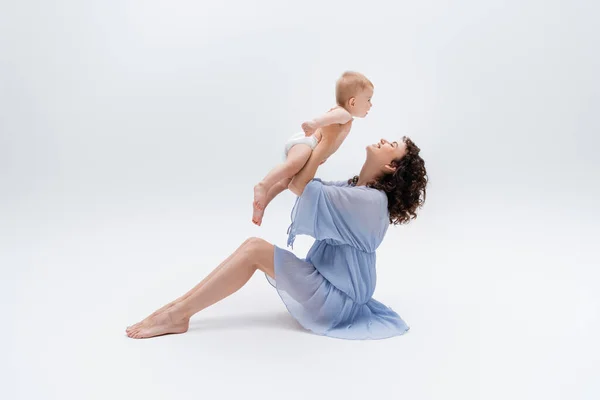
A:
357, 216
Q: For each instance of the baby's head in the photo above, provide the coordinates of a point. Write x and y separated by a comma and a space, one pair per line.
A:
353, 91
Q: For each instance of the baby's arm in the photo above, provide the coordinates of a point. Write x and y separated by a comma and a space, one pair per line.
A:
336, 115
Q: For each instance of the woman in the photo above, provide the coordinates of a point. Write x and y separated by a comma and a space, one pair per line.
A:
330, 291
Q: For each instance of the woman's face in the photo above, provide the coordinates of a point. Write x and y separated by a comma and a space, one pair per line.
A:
383, 153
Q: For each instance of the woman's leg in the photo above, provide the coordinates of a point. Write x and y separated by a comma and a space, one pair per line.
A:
192, 290
277, 188
256, 218
253, 254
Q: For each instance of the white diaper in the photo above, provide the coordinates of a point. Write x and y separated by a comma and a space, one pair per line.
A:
300, 138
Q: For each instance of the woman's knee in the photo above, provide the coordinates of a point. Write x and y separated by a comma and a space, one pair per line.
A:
254, 243
260, 253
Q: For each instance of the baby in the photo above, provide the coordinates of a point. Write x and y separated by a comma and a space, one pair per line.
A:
353, 94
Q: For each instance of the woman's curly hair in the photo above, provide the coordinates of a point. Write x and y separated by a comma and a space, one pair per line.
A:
405, 188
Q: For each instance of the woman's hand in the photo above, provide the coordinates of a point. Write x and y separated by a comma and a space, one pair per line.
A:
309, 127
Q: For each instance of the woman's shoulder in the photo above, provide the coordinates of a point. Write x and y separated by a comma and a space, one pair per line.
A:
332, 183
359, 196
351, 185
373, 196
377, 194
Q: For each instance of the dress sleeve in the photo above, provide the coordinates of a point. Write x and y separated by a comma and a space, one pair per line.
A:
356, 216
332, 183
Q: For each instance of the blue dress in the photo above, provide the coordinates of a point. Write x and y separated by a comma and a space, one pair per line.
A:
330, 291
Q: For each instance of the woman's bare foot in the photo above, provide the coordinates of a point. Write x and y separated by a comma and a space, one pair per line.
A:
162, 324
155, 313
260, 196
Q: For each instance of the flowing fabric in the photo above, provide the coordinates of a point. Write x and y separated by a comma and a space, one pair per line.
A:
330, 291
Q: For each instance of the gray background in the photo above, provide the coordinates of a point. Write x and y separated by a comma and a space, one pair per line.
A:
132, 133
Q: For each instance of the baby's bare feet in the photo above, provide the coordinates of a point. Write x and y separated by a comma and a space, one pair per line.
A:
260, 195
257, 215
162, 324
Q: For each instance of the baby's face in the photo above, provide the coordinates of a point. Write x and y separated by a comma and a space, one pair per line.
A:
362, 103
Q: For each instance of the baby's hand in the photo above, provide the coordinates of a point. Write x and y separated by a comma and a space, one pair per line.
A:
309, 128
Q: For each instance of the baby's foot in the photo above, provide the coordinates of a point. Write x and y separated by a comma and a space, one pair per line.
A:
257, 215
161, 324
260, 194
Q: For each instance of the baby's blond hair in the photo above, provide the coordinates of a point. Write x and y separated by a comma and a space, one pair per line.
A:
349, 85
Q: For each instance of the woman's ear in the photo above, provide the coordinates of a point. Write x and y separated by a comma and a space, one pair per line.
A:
389, 168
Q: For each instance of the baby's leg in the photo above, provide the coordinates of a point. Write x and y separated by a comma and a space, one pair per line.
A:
277, 188
322, 151
296, 158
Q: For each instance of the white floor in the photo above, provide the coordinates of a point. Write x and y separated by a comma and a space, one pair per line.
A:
132, 132
494, 314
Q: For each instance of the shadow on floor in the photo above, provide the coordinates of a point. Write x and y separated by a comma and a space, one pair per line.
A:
281, 320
